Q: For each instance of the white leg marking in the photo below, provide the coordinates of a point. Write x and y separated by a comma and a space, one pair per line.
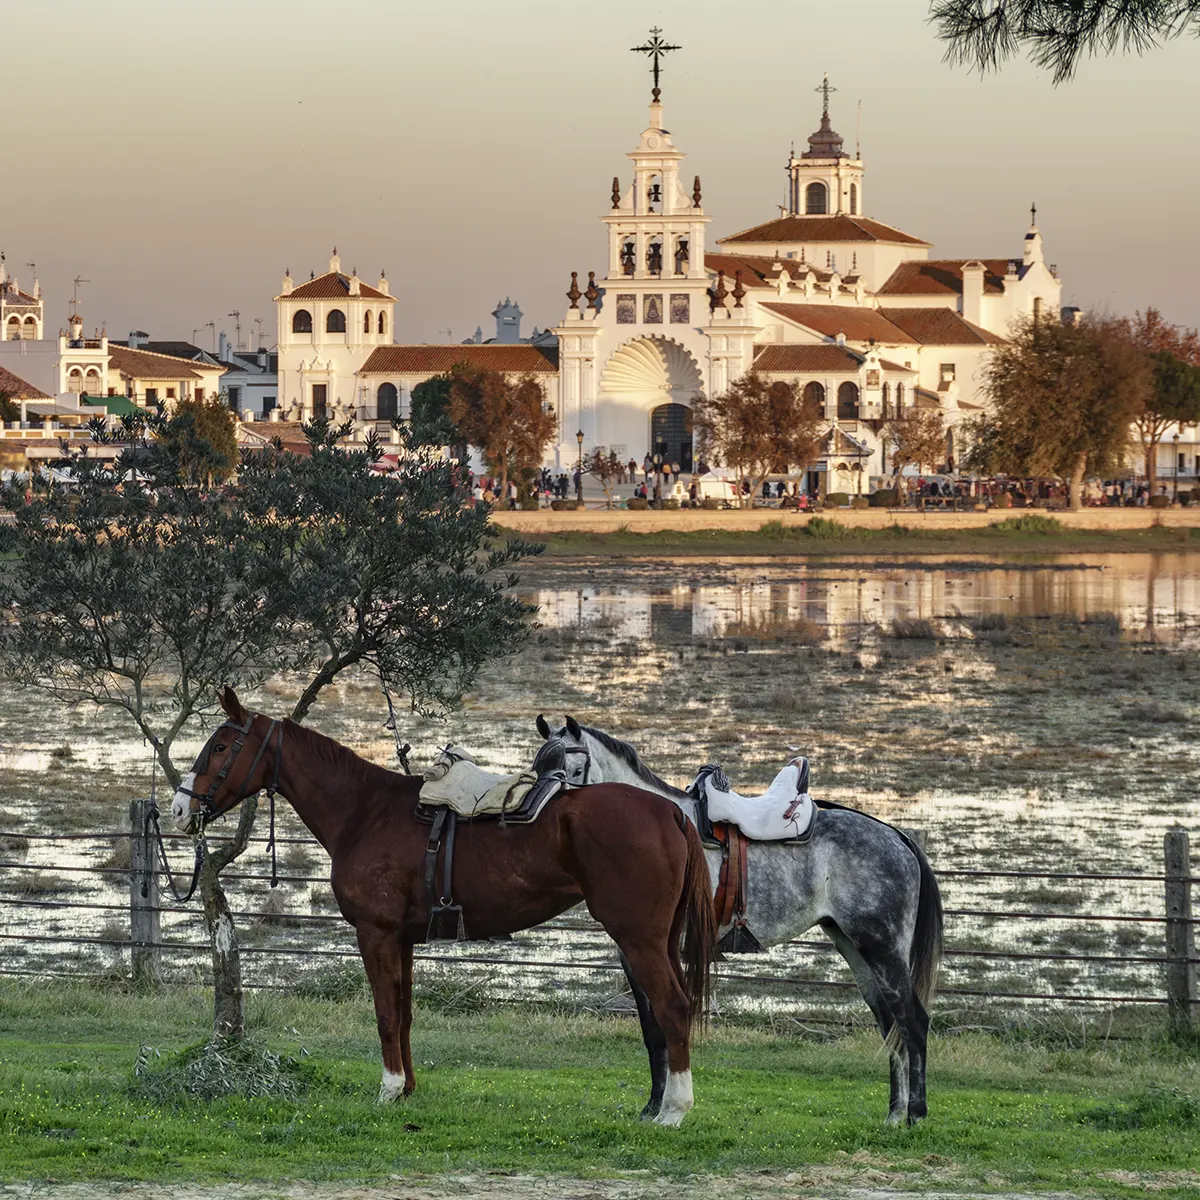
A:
677, 1098
181, 804
392, 1087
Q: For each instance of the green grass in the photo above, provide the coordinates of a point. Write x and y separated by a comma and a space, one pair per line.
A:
535, 1092
1032, 533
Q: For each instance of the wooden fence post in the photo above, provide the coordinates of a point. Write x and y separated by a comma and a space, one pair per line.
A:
1181, 938
144, 922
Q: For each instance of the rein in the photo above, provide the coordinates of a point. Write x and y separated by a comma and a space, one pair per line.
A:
152, 816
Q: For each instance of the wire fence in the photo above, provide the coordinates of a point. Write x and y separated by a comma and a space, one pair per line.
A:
1121, 943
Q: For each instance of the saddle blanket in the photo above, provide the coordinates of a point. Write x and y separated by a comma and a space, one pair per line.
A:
783, 812
472, 792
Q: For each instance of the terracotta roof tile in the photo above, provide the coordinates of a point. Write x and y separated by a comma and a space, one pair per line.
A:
758, 271
942, 276
16, 387
332, 286
143, 364
837, 228
432, 360
800, 357
858, 324
939, 327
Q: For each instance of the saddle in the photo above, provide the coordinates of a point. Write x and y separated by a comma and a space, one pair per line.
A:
456, 789
728, 821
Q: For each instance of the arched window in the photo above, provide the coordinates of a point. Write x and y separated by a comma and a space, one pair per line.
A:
854, 199
75, 381
336, 321
899, 399
387, 403
91, 383
14, 329
816, 198
886, 397
367, 321
382, 321
848, 401
302, 321
814, 395
29, 329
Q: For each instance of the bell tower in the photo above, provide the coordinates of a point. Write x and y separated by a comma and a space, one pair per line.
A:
824, 180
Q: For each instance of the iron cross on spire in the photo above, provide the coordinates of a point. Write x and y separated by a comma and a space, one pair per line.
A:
656, 48
825, 88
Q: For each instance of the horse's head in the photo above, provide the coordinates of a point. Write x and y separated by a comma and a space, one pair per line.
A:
234, 764
574, 746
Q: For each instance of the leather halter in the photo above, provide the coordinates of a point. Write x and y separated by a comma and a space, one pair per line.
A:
207, 811
587, 763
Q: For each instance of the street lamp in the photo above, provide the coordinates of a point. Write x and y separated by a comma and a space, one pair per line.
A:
658, 462
1175, 439
579, 469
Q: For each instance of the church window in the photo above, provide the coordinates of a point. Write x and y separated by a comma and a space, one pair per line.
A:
387, 402
302, 321
14, 329
887, 395
367, 322
814, 395
681, 308
75, 381
628, 256
652, 310
682, 255
29, 329
899, 398
816, 199
336, 321
626, 310
382, 321
847, 401
854, 199
654, 257
91, 384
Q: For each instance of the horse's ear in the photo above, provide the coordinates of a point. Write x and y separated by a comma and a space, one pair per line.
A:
231, 704
574, 730
543, 727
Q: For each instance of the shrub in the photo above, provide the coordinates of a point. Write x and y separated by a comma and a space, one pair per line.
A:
824, 527
637, 503
529, 504
1195, 493
860, 502
914, 629
1184, 499
1160, 501
837, 499
885, 498
671, 504
564, 505
710, 502
215, 1069
775, 529
1036, 524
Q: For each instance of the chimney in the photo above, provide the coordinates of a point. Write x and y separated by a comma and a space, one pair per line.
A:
972, 292
261, 358
335, 263
287, 282
223, 348
137, 339
383, 283
355, 283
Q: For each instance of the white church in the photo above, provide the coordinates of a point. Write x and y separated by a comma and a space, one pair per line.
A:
852, 310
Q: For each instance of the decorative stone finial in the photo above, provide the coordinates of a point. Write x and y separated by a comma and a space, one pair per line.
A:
696, 193
573, 292
718, 293
739, 291
593, 292
616, 192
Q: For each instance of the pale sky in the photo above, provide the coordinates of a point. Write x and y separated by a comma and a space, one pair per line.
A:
181, 156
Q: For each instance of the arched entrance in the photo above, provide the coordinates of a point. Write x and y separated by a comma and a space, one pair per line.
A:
671, 434
645, 393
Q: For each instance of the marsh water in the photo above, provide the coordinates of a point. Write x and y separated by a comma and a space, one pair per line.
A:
1026, 716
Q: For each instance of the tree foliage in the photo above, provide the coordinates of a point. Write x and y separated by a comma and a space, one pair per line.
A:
10, 410
430, 420
759, 427
1057, 34
1175, 394
606, 468
1063, 399
916, 438
506, 418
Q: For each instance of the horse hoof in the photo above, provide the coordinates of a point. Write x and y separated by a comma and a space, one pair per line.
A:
392, 1089
648, 1113
670, 1117
896, 1119
917, 1114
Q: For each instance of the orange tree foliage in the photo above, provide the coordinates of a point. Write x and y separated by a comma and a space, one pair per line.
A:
917, 437
1175, 396
1063, 399
759, 427
506, 418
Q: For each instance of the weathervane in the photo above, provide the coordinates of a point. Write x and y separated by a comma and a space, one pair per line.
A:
656, 48
825, 88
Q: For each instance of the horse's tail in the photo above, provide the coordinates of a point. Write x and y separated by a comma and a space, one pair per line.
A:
925, 957
699, 925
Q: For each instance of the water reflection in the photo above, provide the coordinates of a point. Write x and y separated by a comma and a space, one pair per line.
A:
1160, 591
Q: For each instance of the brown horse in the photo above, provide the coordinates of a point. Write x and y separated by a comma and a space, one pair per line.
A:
630, 855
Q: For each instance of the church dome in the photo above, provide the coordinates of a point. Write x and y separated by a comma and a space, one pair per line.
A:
826, 142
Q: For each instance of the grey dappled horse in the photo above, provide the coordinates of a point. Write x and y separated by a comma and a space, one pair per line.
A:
867, 885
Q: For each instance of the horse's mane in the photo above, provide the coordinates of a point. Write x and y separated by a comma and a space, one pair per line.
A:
629, 756
337, 755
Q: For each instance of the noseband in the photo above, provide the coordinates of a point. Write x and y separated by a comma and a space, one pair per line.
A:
207, 811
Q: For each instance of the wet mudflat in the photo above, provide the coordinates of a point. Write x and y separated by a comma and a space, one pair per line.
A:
1027, 716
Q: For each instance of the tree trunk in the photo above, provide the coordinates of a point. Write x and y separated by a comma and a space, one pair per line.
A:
229, 1017
1152, 466
1076, 482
